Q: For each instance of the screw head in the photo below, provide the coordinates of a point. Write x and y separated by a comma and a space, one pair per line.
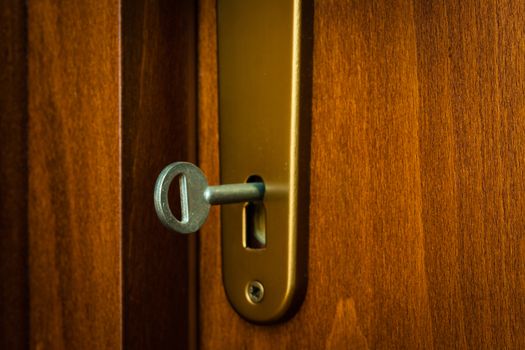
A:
255, 292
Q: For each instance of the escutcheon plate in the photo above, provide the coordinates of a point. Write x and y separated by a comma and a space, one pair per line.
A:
264, 52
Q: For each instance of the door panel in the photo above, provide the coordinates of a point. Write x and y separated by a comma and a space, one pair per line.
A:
96, 97
74, 175
159, 127
417, 192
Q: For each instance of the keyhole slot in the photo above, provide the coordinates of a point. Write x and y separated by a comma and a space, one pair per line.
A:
254, 217
178, 198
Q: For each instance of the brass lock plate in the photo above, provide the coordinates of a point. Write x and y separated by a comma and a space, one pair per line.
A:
264, 53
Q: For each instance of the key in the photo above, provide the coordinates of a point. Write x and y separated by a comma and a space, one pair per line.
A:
197, 197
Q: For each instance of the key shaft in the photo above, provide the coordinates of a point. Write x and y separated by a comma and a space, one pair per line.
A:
235, 193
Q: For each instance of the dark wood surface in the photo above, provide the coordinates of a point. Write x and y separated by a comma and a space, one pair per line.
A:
212, 302
95, 99
417, 181
75, 178
158, 128
14, 304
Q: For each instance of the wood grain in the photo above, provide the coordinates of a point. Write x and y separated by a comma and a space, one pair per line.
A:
74, 174
417, 190
14, 306
159, 127
211, 296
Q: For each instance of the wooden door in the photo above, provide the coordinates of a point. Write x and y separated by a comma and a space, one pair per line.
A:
416, 177
95, 98
417, 181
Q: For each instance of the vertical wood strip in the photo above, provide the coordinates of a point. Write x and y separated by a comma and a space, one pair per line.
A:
472, 136
158, 128
14, 306
74, 174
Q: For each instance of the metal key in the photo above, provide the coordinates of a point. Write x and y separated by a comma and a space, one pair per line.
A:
196, 196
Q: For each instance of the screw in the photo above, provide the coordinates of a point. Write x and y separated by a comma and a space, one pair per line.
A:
255, 292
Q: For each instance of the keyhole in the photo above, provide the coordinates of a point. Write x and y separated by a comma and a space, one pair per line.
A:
254, 221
